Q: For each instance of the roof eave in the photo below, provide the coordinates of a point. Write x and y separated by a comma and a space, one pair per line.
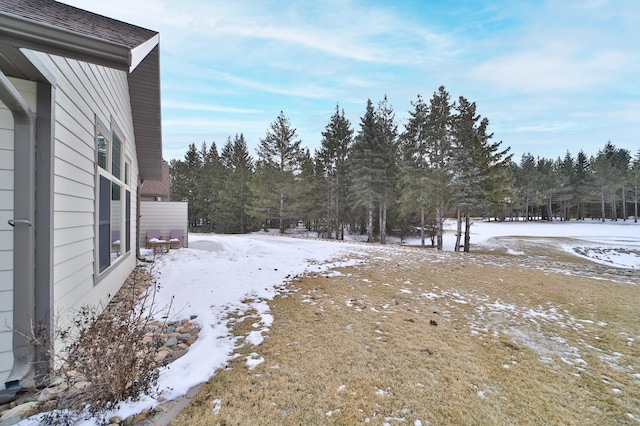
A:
43, 37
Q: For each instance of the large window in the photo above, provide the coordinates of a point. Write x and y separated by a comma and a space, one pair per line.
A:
113, 198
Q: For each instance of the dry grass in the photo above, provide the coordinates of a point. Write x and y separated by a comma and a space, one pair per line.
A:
441, 338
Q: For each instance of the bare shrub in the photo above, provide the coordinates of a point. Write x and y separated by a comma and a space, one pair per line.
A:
108, 356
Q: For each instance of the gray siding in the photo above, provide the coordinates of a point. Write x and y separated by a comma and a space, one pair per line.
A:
83, 92
163, 216
28, 90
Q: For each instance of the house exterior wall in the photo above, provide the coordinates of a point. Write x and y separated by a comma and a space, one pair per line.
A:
163, 217
85, 92
28, 91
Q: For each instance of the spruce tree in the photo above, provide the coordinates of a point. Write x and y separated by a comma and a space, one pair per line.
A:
332, 158
273, 187
235, 194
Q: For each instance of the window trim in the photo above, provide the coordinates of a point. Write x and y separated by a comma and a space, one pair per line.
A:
104, 177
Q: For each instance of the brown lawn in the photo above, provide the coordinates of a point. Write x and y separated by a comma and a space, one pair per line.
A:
415, 337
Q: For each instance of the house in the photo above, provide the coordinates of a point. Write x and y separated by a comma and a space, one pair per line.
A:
157, 190
79, 132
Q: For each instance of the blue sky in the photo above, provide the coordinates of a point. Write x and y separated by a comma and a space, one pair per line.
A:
550, 76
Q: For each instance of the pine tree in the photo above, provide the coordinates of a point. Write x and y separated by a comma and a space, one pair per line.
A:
388, 139
279, 156
480, 178
635, 182
581, 183
234, 195
414, 182
209, 184
332, 158
438, 151
367, 171
183, 183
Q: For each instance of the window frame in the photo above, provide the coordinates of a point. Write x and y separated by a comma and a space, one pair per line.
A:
108, 225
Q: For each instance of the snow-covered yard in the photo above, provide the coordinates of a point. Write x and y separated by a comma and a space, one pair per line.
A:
221, 276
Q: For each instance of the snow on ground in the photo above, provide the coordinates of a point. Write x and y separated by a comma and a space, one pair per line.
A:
220, 276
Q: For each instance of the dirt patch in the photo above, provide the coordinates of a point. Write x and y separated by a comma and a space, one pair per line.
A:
415, 336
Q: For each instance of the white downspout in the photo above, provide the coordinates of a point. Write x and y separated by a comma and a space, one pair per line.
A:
23, 234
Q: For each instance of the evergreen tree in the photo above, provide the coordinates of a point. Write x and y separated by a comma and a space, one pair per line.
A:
234, 195
332, 158
635, 182
367, 172
414, 183
209, 183
273, 188
438, 151
481, 167
526, 182
388, 139
611, 167
581, 183
183, 183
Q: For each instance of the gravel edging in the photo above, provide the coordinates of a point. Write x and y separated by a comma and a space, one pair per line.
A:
177, 336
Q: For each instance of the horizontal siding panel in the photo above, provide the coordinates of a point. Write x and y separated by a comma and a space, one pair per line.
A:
6, 283
64, 185
6, 199
6, 240
64, 219
79, 280
6, 301
75, 167
73, 204
6, 179
6, 135
6, 260
72, 251
6, 336
6, 160
6, 361
79, 150
69, 235
6, 120
83, 264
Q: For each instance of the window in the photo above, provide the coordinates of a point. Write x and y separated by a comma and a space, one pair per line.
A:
113, 198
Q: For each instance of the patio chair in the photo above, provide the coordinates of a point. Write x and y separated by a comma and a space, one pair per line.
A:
153, 236
177, 237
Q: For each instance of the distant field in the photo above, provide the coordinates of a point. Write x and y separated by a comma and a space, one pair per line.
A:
413, 336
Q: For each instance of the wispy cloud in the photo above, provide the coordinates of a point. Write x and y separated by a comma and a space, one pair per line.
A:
208, 108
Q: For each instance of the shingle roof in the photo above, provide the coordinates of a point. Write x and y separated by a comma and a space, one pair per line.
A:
59, 29
50, 12
157, 188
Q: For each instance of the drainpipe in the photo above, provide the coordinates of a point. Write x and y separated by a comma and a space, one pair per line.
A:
23, 234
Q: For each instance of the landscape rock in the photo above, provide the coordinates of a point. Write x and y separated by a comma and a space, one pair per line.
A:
22, 411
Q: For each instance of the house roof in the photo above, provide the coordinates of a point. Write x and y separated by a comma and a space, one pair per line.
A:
55, 28
157, 188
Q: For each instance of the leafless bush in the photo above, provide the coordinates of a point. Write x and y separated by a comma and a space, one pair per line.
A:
108, 356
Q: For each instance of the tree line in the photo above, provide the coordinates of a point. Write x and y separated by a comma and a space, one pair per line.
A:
380, 179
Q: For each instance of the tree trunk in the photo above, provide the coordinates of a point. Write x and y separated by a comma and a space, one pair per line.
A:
635, 217
467, 233
549, 212
281, 212
383, 224
370, 223
624, 204
458, 231
439, 226
422, 223
602, 200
